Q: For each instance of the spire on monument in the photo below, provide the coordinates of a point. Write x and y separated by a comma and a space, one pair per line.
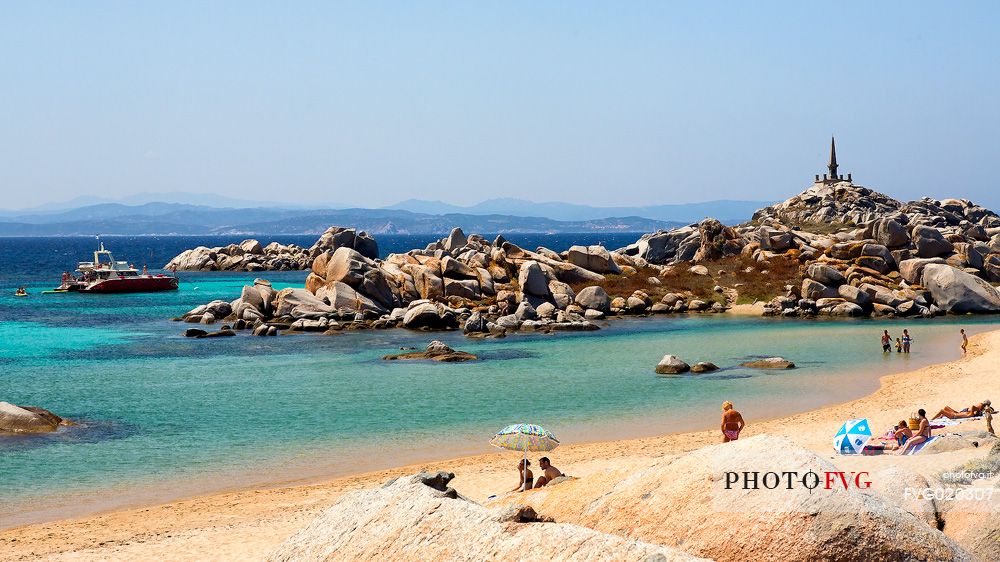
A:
832, 177
833, 158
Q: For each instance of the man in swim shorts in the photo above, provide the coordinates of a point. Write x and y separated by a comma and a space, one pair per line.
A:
732, 423
549, 472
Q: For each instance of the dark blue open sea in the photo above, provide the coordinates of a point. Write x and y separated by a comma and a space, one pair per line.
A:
161, 416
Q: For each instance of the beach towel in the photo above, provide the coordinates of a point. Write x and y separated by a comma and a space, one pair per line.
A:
919, 446
871, 450
943, 422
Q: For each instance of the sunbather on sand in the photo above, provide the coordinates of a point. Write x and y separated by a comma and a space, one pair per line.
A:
526, 476
549, 472
972, 411
923, 434
903, 433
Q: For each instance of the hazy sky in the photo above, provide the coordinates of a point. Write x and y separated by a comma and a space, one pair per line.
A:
617, 103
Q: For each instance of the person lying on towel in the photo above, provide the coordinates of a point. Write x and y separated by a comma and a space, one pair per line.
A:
972, 411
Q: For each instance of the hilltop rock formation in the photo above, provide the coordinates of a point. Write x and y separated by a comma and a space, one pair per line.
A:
419, 517
250, 255
682, 501
840, 203
860, 252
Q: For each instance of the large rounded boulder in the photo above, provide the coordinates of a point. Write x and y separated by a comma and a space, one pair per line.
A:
595, 298
954, 290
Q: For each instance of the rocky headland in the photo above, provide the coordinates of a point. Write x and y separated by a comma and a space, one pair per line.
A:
836, 249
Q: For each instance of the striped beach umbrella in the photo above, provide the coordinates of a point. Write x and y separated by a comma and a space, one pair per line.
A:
525, 437
852, 437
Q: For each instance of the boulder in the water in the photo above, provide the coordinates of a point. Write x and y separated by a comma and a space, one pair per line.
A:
28, 419
769, 363
436, 351
671, 365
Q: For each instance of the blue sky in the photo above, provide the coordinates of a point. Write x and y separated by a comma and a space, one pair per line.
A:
369, 103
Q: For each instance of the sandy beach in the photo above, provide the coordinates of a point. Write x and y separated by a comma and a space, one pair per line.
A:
246, 525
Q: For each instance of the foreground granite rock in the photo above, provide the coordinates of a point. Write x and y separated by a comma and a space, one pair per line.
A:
419, 518
682, 501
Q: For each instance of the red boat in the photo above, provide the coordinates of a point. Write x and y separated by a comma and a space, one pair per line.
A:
109, 276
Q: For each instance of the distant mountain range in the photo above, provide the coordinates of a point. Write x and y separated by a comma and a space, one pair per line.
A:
726, 211
409, 217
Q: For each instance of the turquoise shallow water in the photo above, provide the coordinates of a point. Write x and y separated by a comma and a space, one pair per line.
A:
163, 416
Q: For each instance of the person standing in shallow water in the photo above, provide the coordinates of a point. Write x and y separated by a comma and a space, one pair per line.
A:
886, 342
906, 341
732, 423
965, 341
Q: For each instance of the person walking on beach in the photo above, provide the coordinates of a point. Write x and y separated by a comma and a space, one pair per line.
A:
906, 341
886, 342
965, 341
732, 423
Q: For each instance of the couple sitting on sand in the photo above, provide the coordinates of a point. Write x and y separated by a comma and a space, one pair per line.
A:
973, 411
907, 439
549, 473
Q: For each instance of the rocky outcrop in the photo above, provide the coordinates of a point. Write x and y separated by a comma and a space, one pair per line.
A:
250, 255
419, 518
866, 255
28, 419
436, 351
683, 501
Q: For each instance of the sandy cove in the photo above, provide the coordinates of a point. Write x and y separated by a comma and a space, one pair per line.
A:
246, 525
